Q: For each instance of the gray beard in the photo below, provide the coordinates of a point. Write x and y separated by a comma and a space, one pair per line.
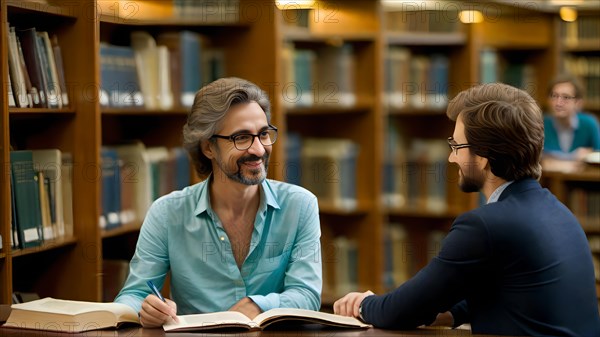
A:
257, 176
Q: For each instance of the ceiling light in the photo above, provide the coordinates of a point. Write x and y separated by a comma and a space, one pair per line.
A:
568, 14
470, 16
294, 4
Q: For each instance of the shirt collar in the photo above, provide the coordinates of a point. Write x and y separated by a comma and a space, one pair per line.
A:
268, 197
574, 124
496, 194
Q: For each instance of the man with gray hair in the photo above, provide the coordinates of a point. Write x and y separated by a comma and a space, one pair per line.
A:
235, 241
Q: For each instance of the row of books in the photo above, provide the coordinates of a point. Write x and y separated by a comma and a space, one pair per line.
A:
415, 175
322, 76
427, 21
209, 11
340, 266
587, 68
585, 204
133, 176
41, 196
495, 68
36, 75
158, 73
326, 167
415, 80
585, 28
400, 253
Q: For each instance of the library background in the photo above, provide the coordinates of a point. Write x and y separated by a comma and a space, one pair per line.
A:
95, 94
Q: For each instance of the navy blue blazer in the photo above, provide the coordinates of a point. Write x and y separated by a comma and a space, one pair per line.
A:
519, 266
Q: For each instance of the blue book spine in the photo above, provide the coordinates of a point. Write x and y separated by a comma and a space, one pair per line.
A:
293, 165
191, 60
120, 85
111, 188
182, 169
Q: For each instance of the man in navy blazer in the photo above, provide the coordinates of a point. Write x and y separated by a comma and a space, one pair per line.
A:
519, 265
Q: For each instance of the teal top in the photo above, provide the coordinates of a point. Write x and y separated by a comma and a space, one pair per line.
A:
586, 133
182, 234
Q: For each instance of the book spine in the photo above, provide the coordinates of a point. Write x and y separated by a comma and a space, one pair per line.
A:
27, 199
29, 46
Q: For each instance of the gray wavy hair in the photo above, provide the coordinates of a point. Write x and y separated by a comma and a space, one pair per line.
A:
210, 107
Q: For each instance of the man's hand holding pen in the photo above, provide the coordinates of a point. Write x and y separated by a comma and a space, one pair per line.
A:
156, 310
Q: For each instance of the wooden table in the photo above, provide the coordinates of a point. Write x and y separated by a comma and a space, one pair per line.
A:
305, 331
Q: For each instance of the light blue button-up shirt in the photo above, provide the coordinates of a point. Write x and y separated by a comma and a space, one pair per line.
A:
182, 234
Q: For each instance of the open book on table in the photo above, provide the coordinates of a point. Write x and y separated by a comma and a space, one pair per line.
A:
69, 316
237, 320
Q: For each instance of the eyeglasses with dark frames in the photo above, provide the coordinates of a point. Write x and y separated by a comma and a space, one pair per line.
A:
454, 147
243, 141
565, 98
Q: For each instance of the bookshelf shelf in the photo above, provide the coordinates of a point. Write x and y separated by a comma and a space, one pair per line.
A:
42, 8
592, 106
589, 173
144, 112
337, 38
40, 111
591, 45
417, 112
331, 210
425, 38
172, 22
127, 228
590, 229
412, 212
328, 110
46, 246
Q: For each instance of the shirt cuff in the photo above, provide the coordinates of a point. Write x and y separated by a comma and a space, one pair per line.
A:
460, 313
131, 301
268, 302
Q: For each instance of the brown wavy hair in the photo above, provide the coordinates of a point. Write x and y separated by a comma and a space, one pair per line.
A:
210, 107
568, 78
503, 124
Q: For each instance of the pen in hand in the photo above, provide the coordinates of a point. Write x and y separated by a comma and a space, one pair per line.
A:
155, 291
159, 295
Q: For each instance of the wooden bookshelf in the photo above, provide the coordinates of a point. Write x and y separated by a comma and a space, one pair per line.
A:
46, 246
580, 191
578, 54
65, 267
334, 23
428, 56
253, 49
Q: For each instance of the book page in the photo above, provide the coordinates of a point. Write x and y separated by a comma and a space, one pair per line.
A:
204, 321
279, 314
72, 308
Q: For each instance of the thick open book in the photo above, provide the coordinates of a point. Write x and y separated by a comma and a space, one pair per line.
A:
237, 320
69, 316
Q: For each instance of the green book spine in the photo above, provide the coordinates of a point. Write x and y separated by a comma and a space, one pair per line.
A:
27, 199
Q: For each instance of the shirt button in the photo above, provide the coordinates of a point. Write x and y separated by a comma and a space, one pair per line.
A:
222, 238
